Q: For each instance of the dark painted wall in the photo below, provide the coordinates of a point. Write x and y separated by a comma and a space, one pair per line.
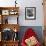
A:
37, 29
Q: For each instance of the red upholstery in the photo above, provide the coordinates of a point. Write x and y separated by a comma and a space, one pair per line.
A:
29, 33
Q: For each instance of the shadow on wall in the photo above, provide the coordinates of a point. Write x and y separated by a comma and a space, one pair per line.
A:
37, 29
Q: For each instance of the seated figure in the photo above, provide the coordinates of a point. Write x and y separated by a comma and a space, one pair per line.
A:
30, 38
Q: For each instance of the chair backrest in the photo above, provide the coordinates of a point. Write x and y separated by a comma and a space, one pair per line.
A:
28, 34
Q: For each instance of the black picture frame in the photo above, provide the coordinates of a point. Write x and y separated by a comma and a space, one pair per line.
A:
30, 13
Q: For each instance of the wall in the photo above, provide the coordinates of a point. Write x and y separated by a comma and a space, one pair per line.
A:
27, 3
39, 13
37, 29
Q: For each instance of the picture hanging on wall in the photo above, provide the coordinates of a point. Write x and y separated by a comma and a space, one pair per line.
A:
30, 13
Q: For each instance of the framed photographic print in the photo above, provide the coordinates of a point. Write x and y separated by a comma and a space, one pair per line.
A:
30, 13
5, 12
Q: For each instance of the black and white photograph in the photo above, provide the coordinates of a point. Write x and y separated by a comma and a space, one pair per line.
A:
30, 13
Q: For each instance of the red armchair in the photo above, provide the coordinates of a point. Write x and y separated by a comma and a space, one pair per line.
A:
30, 34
